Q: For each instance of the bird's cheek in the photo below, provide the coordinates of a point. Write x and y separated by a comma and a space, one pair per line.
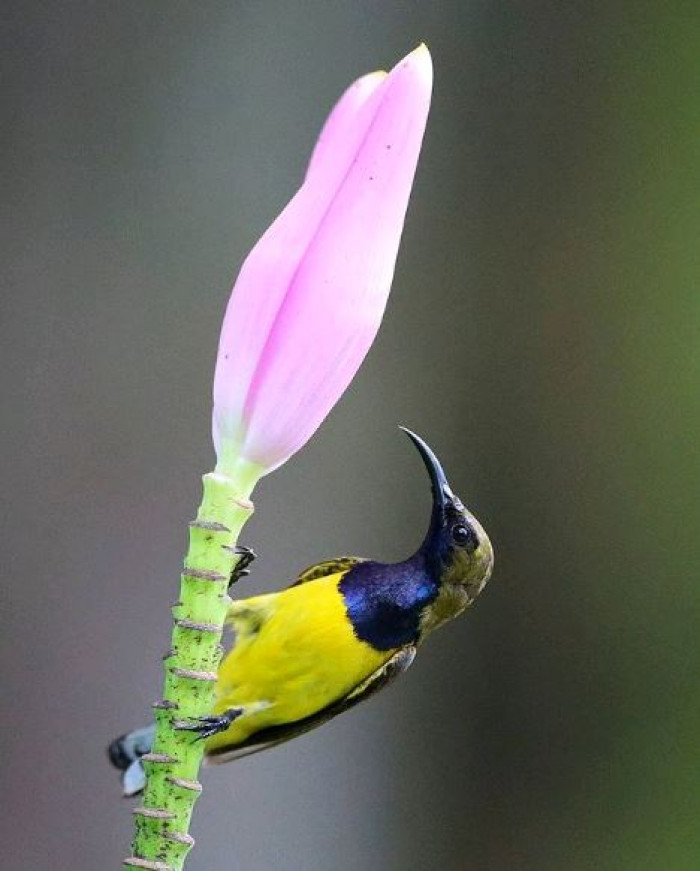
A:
478, 581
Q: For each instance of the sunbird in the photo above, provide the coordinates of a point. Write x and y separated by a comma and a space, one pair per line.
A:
343, 630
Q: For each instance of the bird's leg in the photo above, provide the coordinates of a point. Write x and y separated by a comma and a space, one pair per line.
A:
245, 557
205, 727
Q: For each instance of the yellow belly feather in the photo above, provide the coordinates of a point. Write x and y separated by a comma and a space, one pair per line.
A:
295, 653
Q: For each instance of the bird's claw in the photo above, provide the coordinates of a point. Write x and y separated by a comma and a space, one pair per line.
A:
246, 555
210, 725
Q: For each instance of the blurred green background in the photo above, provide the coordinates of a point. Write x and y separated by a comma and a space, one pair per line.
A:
543, 335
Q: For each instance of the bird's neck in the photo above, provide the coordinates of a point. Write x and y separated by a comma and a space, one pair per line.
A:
385, 601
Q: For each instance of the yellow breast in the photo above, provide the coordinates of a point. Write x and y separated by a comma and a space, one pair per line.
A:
295, 653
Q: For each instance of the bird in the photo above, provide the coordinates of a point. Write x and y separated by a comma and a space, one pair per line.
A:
343, 630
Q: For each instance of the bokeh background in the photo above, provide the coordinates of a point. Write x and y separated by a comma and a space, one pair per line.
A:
543, 334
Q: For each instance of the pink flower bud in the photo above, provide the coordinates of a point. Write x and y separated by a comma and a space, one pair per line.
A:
310, 296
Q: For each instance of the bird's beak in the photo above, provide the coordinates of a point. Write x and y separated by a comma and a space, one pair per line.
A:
442, 492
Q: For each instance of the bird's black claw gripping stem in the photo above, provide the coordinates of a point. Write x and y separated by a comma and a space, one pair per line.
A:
245, 557
205, 727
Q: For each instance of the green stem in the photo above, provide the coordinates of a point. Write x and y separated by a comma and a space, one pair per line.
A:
162, 840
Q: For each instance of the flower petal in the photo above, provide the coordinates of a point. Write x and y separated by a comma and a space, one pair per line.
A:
268, 270
336, 298
343, 132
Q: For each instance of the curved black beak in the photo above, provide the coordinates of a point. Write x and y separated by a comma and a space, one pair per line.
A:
442, 492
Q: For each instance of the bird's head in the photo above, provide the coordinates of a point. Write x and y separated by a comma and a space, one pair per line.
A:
456, 549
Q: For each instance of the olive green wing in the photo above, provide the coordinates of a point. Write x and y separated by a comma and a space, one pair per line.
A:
327, 567
273, 735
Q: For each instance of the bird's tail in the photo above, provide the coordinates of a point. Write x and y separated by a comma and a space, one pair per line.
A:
125, 754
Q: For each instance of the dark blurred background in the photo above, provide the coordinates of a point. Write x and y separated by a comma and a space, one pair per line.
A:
543, 334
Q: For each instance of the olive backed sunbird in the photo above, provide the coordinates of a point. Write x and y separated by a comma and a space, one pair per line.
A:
343, 630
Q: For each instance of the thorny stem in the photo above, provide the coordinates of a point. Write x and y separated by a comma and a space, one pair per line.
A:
162, 840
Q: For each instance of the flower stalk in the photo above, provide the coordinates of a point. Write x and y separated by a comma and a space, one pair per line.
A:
162, 840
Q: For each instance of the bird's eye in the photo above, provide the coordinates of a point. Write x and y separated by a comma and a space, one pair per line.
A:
464, 536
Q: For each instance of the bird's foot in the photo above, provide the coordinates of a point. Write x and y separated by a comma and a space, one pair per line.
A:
205, 727
245, 557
